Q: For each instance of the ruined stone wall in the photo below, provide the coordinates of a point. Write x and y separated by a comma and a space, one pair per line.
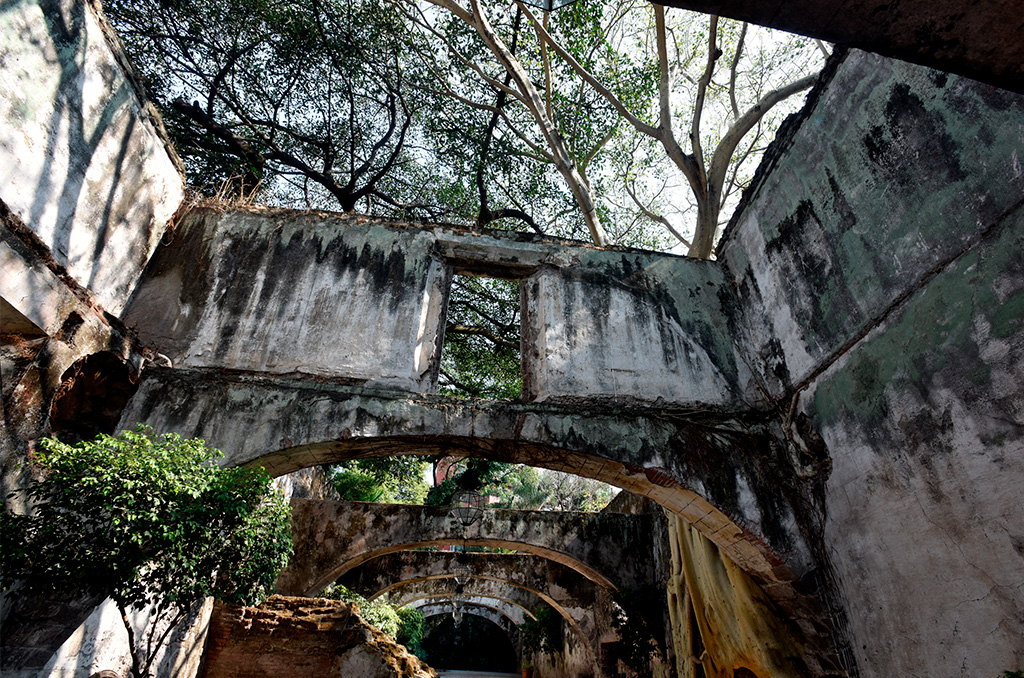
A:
879, 261
301, 638
100, 644
87, 186
629, 325
363, 302
83, 163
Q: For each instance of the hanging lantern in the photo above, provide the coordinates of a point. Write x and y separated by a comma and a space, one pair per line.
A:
462, 574
468, 506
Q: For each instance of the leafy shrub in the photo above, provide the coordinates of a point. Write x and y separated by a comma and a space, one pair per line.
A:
146, 520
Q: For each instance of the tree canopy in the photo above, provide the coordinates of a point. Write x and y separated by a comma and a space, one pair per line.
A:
597, 120
617, 121
393, 480
146, 520
522, 487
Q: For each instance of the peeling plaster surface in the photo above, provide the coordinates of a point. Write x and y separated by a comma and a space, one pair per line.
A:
81, 162
879, 261
32, 290
321, 296
640, 325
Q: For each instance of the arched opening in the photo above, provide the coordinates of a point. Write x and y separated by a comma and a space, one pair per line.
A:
92, 395
520, 546
748, 550
477, 644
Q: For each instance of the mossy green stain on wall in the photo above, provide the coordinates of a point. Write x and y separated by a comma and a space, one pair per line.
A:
1009, 319
937, 339
891, 152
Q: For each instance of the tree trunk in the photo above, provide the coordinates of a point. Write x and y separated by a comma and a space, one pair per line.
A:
707, 227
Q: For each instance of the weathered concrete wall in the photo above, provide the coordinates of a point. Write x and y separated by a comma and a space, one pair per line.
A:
983, 43
719, 474
312, 295
300, 638
879, 261
67, 328
82, 160
87, 186
630, 325
362, 301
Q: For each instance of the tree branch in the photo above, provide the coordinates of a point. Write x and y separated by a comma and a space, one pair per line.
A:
459, 385
655, 217
685, 162
636, 122
476, 330
732, 71
702, 90
726, 147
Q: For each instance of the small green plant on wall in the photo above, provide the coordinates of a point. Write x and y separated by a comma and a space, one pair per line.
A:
542, 634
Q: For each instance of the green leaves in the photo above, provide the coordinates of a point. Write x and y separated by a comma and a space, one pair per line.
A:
146, 520
397, 480
543, 633
480, 357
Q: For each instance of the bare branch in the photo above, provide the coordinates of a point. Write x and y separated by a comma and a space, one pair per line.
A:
655, 217
686, 163
636, 122
726, 147
563, 161
732, 71
460, 385
702, 90
514, 213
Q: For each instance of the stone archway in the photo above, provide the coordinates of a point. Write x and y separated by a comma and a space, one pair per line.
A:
714, 476
482, 640
585, 605
331, 538
441, 590
505, 616
716, 471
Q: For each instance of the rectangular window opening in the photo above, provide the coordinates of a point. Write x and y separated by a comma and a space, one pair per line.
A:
480, 356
